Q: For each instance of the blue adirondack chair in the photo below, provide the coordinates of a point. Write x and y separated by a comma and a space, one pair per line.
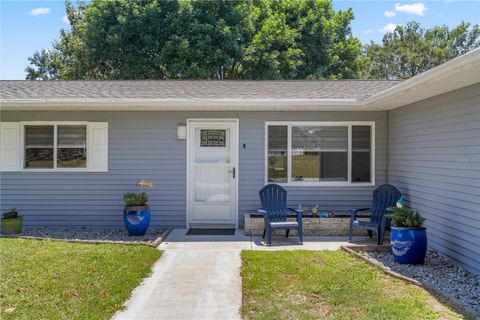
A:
274, 211
384, 197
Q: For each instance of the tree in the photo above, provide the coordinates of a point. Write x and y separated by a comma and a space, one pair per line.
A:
47, 64
411, 50
188, 39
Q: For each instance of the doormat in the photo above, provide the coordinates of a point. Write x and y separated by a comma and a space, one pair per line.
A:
210, 232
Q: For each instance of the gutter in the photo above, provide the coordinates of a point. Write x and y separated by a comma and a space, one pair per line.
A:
180, 102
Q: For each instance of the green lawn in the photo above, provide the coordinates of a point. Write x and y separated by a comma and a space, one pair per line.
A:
61, 280
329, 285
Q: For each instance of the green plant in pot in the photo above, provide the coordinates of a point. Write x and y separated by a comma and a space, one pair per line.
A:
12, 223
137, 214
408, 236
135, 199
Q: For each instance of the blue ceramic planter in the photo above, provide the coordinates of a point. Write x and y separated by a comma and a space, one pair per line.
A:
136, 219
409, 245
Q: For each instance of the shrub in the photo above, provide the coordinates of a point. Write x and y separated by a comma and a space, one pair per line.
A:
405, 218
135, 199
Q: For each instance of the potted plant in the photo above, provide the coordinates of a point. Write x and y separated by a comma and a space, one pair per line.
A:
137, 214
408, 236
11, 222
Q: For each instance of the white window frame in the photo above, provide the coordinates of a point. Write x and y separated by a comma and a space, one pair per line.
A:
55, 124
348, 124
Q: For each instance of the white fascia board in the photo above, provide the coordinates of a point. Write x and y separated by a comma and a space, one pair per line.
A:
181, 104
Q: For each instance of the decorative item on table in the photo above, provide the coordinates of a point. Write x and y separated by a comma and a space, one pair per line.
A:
331, 213
137, 214
304, 209
324, 214
315, 210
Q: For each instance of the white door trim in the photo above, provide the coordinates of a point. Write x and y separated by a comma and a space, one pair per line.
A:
235, 145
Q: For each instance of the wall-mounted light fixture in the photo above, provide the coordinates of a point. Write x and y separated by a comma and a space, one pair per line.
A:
181, 131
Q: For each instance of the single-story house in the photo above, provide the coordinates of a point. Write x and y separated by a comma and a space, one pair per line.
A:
70, 149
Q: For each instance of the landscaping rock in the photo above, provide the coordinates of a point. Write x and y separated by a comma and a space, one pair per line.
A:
440, 273
87, 233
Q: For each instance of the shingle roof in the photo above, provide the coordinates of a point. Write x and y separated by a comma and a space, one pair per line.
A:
188, 89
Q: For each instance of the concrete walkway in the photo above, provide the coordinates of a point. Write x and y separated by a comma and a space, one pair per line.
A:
198, 277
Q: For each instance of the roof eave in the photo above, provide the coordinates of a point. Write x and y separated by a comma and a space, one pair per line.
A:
465, 70
460, 72
102, 104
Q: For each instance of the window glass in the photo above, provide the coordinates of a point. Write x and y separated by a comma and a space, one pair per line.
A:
277, 153
319, 153
212, 146
39, 142
71, 146
361, 154
213, 137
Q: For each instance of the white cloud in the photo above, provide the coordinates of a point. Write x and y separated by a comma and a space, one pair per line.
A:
414, 8
65, 19
388, 28
368, 31
39, 11
389, 14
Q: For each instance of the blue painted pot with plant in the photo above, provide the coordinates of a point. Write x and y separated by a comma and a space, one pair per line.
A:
137, 214
408, 236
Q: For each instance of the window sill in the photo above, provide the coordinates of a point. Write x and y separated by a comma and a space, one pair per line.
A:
69, 170
326, 184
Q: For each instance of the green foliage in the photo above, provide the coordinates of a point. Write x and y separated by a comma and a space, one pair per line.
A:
135, 199
44, 65
187, 39
405, 218
241, 39
411, 49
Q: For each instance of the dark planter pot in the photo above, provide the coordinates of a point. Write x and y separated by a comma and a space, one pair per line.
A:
10, 215
409, 245
12, 226
136, 219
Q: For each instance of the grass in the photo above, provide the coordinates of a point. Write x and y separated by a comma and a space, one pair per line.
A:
62, 280
329, 285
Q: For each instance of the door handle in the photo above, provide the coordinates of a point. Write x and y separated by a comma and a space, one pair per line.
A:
233, 172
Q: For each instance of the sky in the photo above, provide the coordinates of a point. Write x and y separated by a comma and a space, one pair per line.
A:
26, 26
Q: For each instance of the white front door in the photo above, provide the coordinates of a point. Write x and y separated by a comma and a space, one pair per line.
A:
212, 172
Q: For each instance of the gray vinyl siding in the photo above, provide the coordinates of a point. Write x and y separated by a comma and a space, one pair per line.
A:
434, 159
144, 145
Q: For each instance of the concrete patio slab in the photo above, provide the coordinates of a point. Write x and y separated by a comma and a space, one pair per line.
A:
198, 277
309, 243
